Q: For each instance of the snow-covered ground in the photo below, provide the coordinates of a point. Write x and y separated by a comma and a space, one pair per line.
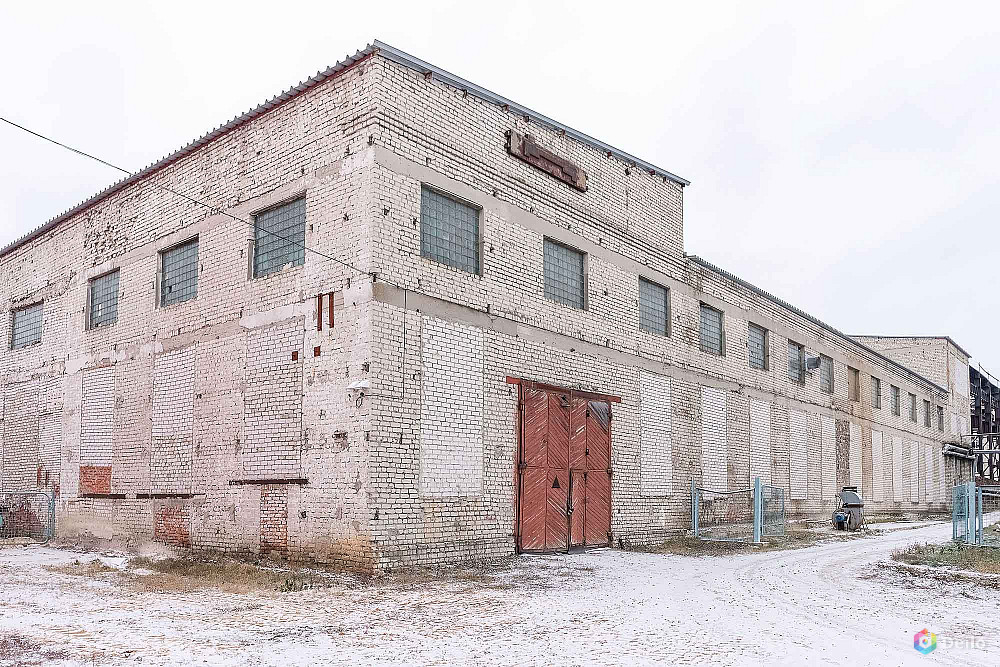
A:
830, 604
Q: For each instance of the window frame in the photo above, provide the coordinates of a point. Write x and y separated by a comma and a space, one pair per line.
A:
88, 321
13, 319
252, 269
876, 395
940, 418
765, 335
722, 330
853, 384
894, 400
584, 270
927, 414
666, 300
479, 229
159, 271
801, 379
913, 407
833, 382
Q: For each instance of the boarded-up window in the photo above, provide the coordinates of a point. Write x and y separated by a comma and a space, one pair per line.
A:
179, 273
854, 454
279, 237
564, 279
656, 464
173, 418
451, 409
711, 330
714, 453
828, 457
796, 362
940, 418
26, 326
826, 374
654, 308
894, 399
876, 392
853, 384
878, 467
798, 461
103, 307
912, 466
927, 414
897, 468
913, 408
757, 346
449, 230
760, 440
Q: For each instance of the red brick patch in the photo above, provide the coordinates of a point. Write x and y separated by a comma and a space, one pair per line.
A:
274, 518
95, 479
171, 526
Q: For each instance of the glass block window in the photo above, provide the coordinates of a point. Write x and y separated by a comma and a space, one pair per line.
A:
853, 384
654, 307
927, 414
449, 231
894, 391
757, 346
940, 411
796, 362
103, 307
279, 238
826, 374
711, 330
26, 328
876, 392
913, 408
179, 273
563, 268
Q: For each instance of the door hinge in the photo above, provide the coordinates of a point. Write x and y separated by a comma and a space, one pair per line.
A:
609, 472
522, 465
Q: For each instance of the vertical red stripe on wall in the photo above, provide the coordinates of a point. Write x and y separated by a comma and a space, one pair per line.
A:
319, 312
330, 302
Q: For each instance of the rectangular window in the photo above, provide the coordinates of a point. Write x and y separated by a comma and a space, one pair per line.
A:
894, 390
757, 346
563, 268
940, 411
279, 237
826, 373
26, 328
179, 273
449, 230
103, 306
711, 330
876, 392
796, 362
913, 408
654, 308
927, 414
853, 384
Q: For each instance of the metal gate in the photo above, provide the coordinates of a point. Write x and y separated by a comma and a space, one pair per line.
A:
27, 515
963, 512
564, 469
772, 521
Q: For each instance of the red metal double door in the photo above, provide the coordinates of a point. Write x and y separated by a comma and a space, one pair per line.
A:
565, 470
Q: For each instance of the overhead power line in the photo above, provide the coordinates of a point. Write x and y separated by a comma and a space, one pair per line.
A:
213, 209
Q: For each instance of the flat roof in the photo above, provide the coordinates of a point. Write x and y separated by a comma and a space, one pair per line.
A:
389, 52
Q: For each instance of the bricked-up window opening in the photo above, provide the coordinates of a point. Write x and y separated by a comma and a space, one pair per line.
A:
179, 273
940, 413
564, 279
757, 346
796, 362
711, 330
894, 391
853, 384
26, 328
927, 414
103, 307
279, 237
876, 392
826, 374
913, 408
654, 308
449, 230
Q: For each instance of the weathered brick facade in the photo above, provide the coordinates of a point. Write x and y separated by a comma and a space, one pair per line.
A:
253, 420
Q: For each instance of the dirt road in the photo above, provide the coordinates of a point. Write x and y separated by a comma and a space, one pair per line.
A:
826, 604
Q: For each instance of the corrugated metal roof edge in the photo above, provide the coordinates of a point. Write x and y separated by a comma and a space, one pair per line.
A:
947, 338
816, 321
424, 67
206, 138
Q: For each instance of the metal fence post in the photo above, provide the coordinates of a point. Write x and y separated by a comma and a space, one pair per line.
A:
979, 516
758, 510
694, 508
970, 521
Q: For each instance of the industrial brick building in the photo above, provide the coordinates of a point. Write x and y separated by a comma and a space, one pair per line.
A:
391, 318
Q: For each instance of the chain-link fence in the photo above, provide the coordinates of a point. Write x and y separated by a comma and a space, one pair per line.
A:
960, 515
743, 515
988, 516
27, 515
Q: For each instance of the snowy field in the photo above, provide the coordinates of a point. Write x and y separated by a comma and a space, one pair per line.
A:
837, 603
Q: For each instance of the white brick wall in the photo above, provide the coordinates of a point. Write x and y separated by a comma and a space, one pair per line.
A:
451, 409
878, 467
173, 421
897, 468
656, 461
798, 454
97, 416
829, 456
714, 455
760, 440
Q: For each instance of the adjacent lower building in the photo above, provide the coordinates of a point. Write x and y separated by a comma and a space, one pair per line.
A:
390, 318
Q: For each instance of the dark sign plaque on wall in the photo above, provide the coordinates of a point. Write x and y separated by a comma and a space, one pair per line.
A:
523, 146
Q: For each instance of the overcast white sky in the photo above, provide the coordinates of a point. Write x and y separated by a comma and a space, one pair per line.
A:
842, 155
